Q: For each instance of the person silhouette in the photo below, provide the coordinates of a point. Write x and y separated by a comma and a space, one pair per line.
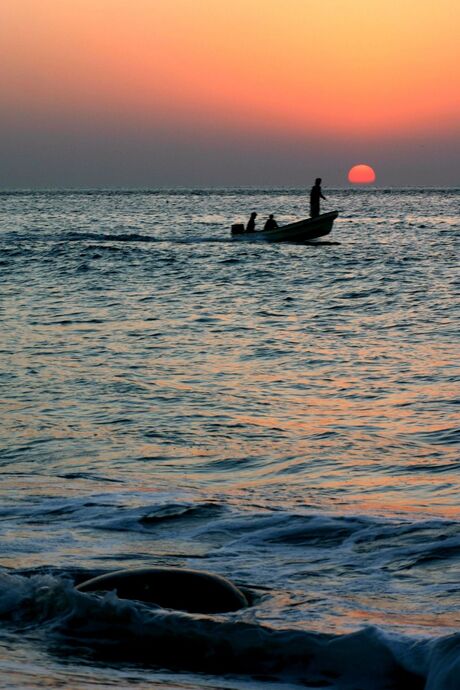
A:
251, 226
315, 195
270, 223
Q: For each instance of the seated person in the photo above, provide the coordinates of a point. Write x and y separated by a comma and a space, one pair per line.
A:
270, 223
251, 226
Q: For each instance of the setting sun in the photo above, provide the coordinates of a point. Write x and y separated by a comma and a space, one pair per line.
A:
361, 174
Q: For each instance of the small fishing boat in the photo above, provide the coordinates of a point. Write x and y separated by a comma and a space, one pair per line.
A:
301, 231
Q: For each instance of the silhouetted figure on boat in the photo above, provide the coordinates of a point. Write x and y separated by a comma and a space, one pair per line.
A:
315, 195
270, 223
251, 226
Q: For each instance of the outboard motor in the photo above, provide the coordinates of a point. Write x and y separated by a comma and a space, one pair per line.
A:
237, 229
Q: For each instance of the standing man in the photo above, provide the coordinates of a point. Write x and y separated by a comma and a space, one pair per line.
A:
315, 195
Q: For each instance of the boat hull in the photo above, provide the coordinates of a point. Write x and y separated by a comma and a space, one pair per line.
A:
300, 231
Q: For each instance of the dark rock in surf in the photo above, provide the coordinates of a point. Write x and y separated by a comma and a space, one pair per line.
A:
193, 591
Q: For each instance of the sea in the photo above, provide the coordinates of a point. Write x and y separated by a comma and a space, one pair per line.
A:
283, 415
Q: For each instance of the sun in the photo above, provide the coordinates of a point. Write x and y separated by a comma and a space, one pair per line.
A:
361, 174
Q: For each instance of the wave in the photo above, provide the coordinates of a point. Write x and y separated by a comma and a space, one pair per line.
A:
108, 628
378, 543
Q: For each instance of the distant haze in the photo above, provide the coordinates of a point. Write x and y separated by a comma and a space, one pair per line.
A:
106, 93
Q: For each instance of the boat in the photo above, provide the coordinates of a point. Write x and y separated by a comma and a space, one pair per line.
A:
301, 231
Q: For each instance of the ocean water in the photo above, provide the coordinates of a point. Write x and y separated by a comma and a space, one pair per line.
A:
283, 415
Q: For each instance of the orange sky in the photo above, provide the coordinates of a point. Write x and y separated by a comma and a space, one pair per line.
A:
351, 67
228, 91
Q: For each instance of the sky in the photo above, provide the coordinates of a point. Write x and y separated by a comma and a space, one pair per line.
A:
163, 93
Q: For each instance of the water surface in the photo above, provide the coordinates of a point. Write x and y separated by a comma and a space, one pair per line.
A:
284, 415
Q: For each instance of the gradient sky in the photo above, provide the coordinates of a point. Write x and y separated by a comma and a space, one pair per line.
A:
228, 92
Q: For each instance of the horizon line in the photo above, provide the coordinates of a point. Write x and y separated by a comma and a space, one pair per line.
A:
218, 188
